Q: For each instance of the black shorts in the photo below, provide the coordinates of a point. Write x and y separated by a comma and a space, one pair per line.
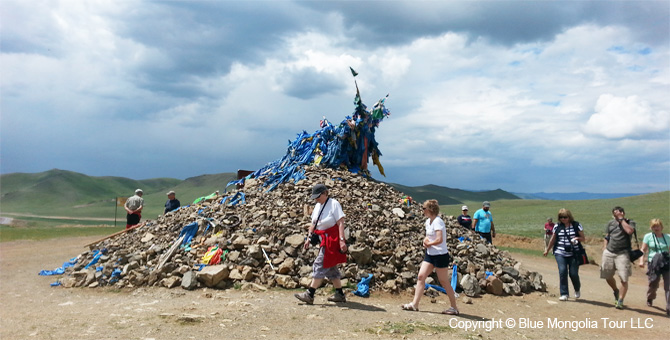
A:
439, 261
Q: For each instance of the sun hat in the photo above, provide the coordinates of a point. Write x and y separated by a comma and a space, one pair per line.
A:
170, 193
486, 204
139, 191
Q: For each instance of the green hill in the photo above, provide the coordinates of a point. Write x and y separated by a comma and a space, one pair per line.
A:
66, 193
447, 196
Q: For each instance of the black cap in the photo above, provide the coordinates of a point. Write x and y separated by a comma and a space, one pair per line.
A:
317, 190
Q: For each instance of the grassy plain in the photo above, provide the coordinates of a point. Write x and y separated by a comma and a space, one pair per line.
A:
45, 230
527, 217
512, 217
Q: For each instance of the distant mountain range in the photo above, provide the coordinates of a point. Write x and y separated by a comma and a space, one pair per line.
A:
447, 196
574, 196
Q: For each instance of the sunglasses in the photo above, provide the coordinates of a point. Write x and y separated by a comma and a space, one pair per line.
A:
560, 217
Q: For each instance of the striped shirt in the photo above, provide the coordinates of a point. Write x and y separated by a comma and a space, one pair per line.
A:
563, 234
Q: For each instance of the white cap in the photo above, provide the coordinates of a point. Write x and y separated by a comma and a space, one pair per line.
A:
465, 207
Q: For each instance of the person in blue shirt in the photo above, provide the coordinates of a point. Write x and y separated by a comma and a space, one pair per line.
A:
482, 221
172, 202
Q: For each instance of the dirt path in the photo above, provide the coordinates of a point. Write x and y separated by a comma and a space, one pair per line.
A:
31, 309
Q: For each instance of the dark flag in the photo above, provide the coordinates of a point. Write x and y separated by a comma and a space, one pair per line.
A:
354, 73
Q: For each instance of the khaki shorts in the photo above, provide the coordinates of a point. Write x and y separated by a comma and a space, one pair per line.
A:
615, 263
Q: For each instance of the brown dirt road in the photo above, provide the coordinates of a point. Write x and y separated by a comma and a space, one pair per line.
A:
31, 309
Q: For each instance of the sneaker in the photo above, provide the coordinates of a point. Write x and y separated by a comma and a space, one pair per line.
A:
337, 298
563, 298
649, 303
616, 296
619, 304
305, 297
578, 295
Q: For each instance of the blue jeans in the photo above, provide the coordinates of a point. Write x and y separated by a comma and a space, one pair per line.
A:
568, 266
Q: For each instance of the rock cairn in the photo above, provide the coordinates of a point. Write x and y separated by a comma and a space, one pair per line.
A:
262, 239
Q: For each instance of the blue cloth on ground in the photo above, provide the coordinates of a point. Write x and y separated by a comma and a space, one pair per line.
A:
189, 232
59, 270
438, 288
97, 253
363, 288
116, 275
488, 273
454, 277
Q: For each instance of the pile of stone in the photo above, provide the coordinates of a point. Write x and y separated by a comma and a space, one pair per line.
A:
263, 236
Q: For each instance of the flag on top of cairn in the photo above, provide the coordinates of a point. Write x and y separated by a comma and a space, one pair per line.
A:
349, 144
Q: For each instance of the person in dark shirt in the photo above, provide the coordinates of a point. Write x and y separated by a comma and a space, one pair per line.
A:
616, 259
465, 220
172, 203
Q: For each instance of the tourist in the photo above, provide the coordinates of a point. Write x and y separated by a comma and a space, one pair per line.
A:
133, 207
482, 221
328, 225
565, 241
654, 245
615, 257
464, 219
172, 202
548, 231
436, 257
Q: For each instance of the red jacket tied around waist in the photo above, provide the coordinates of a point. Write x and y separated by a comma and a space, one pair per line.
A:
330, 239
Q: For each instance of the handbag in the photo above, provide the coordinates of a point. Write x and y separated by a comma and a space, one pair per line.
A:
635, 254
581, 257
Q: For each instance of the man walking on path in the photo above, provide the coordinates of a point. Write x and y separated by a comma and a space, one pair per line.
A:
134, 206
482, 220
615, 254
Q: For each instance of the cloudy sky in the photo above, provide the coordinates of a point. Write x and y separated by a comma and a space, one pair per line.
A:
526, 96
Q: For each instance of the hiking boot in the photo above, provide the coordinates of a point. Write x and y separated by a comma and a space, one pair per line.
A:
619, 304
305, 297
338, 297
616, 296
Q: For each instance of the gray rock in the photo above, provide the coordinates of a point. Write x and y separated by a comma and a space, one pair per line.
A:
470, 285
361, 254
189, 281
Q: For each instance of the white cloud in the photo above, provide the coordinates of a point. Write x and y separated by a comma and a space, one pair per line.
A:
474, 106
626, 117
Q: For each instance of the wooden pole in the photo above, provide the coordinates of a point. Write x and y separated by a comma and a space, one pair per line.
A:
115, 234
116, 208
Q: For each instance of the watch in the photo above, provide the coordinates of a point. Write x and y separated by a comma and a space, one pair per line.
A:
341, 238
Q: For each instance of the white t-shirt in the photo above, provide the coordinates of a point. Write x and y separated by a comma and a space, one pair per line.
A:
332, 212
432, 229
